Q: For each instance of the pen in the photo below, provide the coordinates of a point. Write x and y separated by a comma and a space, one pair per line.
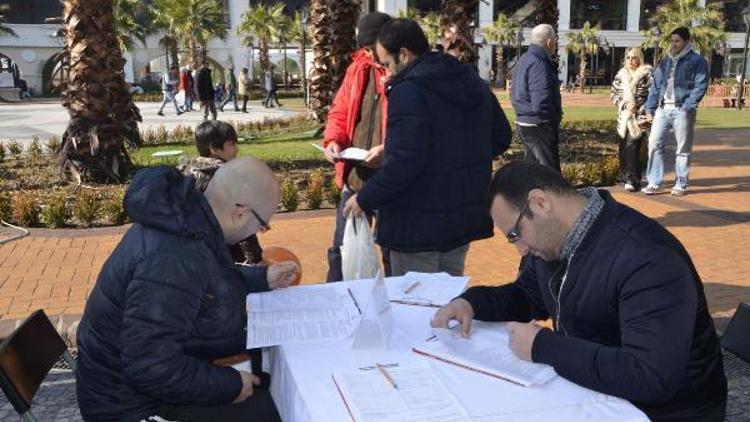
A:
354, 300
412, 287
386, 375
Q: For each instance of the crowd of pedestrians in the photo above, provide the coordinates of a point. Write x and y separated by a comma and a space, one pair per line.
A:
198, 85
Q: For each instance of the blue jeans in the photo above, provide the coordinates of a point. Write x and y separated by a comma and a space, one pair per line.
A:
683, 123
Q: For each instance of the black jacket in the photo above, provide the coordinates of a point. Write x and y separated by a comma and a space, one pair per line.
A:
167, 302
535, 93
444, 127
633, 320
205, 85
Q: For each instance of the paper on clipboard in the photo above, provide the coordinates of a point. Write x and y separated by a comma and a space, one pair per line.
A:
351, 153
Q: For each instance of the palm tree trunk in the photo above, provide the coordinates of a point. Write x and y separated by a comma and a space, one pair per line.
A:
102, 113
457, 37
263, 56
344, 15
582, 71
321, 78
286, 70
194, 57
501, 76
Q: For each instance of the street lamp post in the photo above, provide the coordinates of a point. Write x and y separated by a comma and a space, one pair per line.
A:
741, 88
656, 32
303, 29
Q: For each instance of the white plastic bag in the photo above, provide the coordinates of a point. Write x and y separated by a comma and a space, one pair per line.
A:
359, 260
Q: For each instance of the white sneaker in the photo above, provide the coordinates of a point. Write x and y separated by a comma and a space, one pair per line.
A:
650, 190
629, 187
676, 191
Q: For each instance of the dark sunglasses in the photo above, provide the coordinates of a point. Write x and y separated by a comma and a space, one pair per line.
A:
514, 235
264, 226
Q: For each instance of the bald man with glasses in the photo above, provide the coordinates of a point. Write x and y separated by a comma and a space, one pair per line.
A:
627, 305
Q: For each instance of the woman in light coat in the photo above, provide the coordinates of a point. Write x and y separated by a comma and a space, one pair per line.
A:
629, 93
243, 86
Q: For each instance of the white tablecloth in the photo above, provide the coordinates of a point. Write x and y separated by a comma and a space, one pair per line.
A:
303, 388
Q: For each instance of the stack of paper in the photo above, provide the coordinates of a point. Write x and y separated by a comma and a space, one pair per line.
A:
300, 314
419, 397
426, 289
486, 351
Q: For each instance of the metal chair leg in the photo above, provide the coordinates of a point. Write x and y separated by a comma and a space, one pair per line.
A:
69, 360
28, 416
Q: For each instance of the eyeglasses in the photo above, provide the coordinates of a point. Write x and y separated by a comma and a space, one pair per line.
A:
514, 235
264, 226
632, 58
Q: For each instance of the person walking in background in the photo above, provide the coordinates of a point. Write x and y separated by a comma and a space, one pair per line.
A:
186, 86
629, 92
168, 82
535, 96
680, 82
243, 88
357, 119
230, 85
205, 87
270, 86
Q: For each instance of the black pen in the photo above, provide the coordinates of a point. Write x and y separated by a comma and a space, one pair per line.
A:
354, 300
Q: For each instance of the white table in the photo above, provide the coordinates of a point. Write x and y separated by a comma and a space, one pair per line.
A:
303, 387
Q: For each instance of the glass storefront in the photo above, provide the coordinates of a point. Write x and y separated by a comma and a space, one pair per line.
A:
732, 14
33, 11
608, 14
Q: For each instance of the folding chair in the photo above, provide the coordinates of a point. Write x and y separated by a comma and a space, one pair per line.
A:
26, 358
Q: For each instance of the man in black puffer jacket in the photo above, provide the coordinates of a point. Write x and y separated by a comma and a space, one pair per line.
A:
170, 300
629, 313
444, 128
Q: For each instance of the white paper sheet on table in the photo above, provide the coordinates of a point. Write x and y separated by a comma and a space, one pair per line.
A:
433, 289
486, 351
300, 314
420, 396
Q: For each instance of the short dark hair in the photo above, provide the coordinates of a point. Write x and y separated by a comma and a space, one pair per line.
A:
683, 32
516, 179
403, 33
213, 134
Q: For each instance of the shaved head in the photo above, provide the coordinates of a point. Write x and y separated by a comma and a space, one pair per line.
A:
238, 188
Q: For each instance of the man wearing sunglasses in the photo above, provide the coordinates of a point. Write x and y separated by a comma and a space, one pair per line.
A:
170, 300
629, 314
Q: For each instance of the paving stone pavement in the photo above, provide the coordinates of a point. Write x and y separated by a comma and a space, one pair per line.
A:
56, 270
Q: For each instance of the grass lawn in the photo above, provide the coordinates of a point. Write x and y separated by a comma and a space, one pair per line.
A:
292, 147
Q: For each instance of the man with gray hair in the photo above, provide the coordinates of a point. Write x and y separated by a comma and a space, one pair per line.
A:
170, 301
535, 96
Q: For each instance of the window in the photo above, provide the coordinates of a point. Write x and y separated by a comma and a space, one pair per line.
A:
608, 14
732, 10
33, 11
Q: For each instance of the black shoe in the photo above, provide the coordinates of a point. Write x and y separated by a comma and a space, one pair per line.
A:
180, 112
160, 113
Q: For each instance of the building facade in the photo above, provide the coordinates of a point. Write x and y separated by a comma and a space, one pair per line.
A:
621, 21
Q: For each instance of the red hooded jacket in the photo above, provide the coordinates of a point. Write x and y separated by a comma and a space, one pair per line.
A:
345, 110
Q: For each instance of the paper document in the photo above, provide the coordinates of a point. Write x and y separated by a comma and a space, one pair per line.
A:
419, 396
300, 314
486, 351
351, 153
426, 289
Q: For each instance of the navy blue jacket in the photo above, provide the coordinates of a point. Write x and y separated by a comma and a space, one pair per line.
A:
633, 320
444, 128
535, 90
167, 301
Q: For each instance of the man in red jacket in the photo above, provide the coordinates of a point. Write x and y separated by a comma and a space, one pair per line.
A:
357, 119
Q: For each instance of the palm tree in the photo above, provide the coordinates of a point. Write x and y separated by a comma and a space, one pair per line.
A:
192, 22
430, 23
456, 20
321, 78
295, 35
409, 13
706, 25
344, 16
5, 30
102, 112
128, 15
261, 23
584, 43
284, 36
502, 32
